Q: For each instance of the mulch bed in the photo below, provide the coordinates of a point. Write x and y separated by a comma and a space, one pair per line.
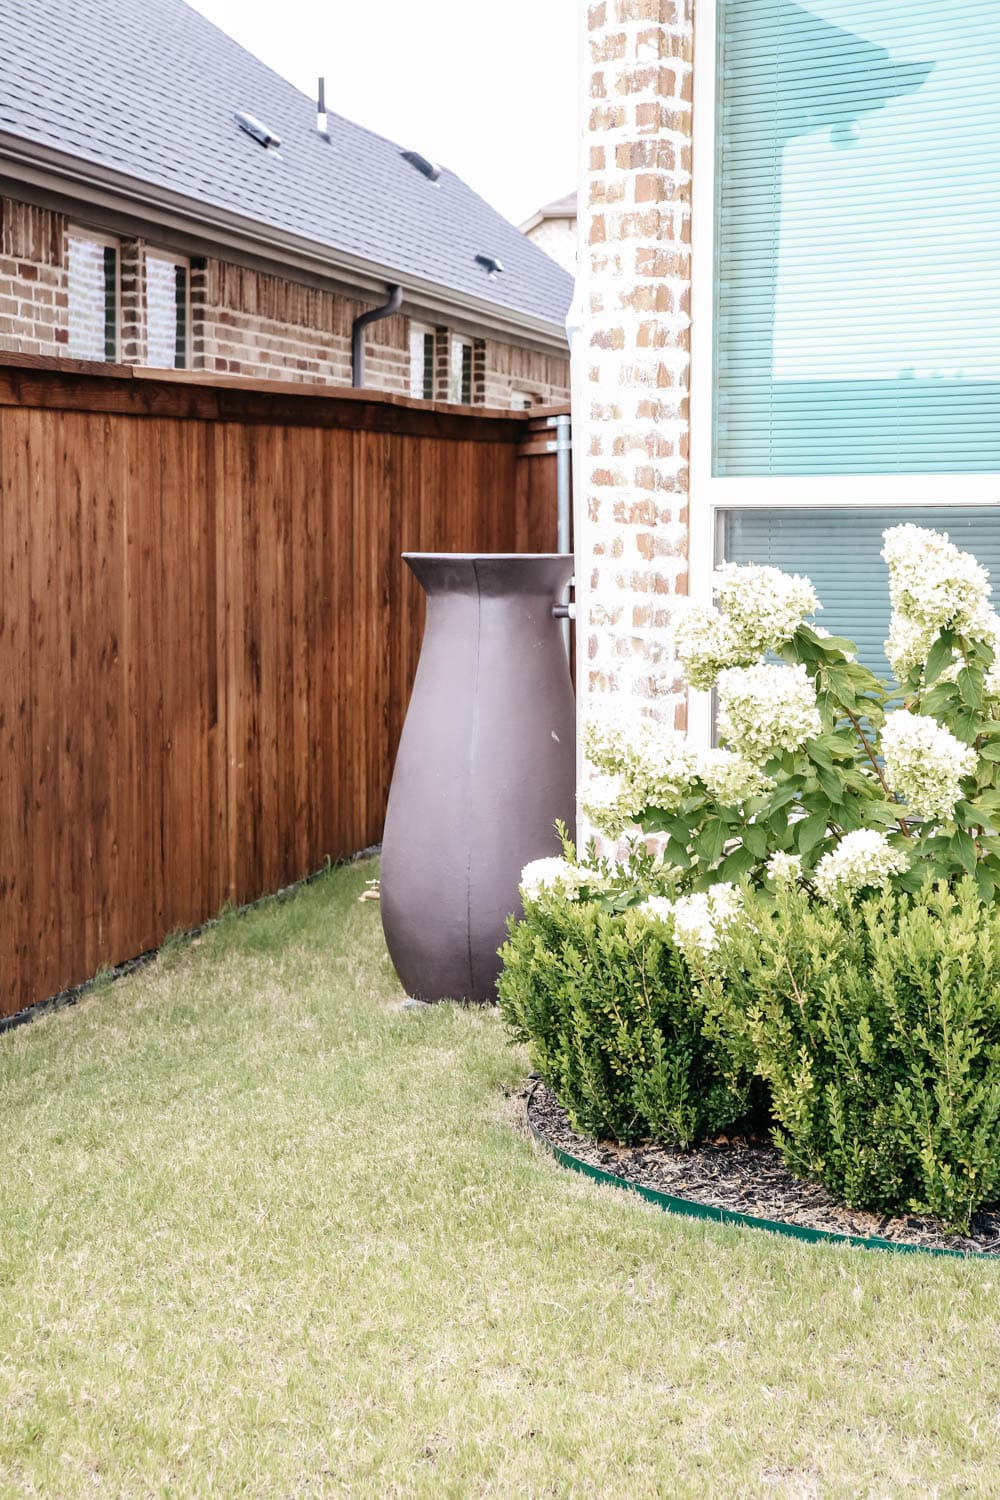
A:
746, 1175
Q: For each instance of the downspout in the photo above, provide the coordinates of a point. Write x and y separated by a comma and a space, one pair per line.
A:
358, 327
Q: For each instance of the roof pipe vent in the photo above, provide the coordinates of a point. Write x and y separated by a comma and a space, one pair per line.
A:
428, 169
258, 130
321, 123
490, 265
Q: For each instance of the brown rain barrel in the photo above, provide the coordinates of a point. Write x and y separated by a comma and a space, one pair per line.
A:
486, 765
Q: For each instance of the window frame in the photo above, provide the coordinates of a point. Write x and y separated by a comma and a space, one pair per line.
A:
420, 333
710, 495
155, 252
109, 242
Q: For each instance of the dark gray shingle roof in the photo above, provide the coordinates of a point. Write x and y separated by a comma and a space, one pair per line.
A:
149, 88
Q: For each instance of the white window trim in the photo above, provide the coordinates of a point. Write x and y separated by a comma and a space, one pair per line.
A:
175, 260
78, 232
418, 332
710, 494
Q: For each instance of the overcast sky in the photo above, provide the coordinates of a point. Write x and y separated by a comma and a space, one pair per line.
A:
488, 90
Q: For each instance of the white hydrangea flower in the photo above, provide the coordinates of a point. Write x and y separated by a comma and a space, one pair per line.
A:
925, 763
764, 606
706, 644
731, 777
657, 908
551, 874
932, 584
861, 861
645, 764
765, 709
908, 644
784, 869
610, 802
700, 920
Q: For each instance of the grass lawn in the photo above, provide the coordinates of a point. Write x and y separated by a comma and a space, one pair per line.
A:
262, 1232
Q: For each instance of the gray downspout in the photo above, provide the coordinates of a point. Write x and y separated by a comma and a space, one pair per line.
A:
358, 327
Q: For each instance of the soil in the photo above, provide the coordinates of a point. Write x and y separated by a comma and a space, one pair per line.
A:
747, 1175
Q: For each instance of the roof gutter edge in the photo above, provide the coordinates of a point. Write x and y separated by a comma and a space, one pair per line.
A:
73, 176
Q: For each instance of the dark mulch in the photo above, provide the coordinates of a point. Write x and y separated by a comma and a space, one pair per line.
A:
747, 1176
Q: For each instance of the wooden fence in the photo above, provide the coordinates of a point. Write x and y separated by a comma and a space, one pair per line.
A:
207, 637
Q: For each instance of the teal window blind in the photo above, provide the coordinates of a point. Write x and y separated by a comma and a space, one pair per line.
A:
839, 550
857, 318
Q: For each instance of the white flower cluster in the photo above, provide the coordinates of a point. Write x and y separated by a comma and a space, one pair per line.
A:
697, 921
611, 803
862, 860
925, 763
731, 778
765, 606
765, 709
644, 764
760, 609
551, 874
784, 869
933, 586
707, 644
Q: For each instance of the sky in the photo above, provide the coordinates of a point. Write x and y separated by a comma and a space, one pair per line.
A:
489, 91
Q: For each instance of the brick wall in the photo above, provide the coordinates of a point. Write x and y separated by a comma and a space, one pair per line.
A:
508, 370
33, 297
631, 351
243, 322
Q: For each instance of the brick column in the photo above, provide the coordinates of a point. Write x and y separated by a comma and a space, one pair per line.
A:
131, 272
631, 350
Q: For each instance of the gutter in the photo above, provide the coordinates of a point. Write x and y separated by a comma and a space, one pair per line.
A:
358, 327
83, 181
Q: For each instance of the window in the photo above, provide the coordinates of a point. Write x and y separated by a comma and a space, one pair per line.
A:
460, 372
93, 285
421, 363
167, 314
846, 299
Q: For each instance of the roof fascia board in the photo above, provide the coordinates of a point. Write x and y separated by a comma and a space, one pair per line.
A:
99, 187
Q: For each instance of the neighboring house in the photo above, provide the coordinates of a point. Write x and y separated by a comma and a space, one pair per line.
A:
787, 310
143, 221
553, 229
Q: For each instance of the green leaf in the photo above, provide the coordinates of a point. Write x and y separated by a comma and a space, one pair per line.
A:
831, 784
970, 685
755, 838
963, 851
710, 840
986, 883
740, 862
810, 831
939, 657
677, 854
966, 725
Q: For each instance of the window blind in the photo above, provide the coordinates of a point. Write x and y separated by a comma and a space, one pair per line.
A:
839, 550
857, 319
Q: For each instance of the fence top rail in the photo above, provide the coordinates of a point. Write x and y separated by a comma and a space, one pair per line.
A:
29, 380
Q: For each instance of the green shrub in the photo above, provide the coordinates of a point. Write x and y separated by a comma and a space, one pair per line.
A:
877, 1030
613, 1022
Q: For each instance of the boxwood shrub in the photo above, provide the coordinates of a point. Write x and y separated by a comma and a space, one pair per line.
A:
614, 1024
877, 1029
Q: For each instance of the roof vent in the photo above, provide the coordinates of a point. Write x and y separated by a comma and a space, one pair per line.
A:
258, 130
428, 169
321, 120
490, 265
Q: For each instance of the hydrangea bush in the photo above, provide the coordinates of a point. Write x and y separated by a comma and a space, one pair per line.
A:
826, 774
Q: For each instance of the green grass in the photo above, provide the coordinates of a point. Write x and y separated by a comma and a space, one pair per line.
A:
262, 1232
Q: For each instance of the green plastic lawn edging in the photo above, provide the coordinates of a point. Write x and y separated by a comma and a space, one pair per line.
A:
688, 1209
